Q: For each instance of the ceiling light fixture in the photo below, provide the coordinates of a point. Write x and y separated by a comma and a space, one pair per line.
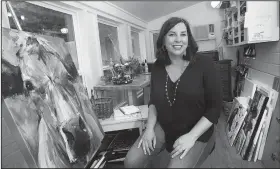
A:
64, 30
216, 4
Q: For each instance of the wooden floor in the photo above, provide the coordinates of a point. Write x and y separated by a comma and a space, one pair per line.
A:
223, 156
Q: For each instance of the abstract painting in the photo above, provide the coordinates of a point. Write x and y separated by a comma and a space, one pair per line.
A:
47, 100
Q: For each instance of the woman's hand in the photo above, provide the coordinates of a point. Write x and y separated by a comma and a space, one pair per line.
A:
182, 145
148, 141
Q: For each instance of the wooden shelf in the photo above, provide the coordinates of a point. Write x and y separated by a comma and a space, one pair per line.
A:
237, 33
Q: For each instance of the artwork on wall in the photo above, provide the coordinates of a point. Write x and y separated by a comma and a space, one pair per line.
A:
47, 101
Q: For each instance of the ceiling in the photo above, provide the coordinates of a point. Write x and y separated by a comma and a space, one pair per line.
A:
150, 10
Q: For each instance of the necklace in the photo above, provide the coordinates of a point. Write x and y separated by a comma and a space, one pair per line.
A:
171, 103
174, 98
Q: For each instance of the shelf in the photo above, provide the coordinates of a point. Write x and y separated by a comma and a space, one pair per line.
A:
237, 34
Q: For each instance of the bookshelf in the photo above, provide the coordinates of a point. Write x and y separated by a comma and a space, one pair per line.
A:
251, 22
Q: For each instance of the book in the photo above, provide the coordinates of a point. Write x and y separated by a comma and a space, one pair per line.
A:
129, 109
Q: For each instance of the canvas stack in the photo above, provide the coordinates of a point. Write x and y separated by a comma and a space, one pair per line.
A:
249, 121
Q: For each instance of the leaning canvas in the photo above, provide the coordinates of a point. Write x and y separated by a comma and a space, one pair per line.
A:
252, 119
235, 121
47, 101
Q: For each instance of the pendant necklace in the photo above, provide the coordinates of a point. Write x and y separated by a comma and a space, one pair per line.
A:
171, 103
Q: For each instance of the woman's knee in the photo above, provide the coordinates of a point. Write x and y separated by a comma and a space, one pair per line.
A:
130, 162
135, 156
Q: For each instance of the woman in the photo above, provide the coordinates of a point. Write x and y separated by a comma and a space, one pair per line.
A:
185, 101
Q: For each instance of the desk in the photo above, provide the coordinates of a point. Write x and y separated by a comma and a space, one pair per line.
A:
111, 124
139, 82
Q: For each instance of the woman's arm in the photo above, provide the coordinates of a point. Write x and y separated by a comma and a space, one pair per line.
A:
152, 117
201, 127
184, 143
148, 140
152, 112
213, 99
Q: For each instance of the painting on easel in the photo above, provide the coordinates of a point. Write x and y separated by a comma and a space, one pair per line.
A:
47, 101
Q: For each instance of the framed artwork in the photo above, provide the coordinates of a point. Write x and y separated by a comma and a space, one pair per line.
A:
47, 102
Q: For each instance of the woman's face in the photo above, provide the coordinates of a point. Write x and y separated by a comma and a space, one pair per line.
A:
176, 40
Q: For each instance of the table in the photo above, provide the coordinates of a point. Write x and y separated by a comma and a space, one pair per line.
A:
111, 124
139, 82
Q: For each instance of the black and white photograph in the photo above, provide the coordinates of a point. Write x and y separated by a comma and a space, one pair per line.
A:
140, 84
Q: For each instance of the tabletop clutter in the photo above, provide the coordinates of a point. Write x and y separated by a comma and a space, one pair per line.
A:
124, 71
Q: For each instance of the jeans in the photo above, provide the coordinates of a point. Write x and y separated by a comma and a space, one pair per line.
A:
136, 158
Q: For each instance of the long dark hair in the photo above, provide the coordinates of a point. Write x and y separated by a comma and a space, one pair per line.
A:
162, 54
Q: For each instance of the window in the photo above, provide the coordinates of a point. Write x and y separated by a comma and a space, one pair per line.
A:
109, 43
155, 37
135, 44
41, 20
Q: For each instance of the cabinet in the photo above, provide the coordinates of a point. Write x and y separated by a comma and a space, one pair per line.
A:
224, 67
251, 22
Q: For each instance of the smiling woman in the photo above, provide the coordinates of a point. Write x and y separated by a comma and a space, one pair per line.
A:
185, 102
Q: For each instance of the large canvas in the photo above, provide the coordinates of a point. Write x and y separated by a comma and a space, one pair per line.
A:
251, 121
47, 101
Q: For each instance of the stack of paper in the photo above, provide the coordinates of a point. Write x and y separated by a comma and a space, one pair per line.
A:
129, 109
119, 115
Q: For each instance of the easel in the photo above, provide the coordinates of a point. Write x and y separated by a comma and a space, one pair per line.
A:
13, 15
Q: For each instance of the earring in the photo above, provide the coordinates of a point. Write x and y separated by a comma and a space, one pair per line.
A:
164, 49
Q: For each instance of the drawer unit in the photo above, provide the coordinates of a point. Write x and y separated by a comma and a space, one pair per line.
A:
224, 68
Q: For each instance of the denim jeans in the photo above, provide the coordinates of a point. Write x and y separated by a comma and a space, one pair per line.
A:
136, 158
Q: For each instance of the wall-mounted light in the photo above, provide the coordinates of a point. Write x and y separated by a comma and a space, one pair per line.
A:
9, 14
221, 4
64, 30
22, 17
216, 4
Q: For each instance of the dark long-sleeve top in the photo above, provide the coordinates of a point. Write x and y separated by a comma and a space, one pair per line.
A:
199, 94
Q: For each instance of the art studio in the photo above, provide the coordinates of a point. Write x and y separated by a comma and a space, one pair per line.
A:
140, 84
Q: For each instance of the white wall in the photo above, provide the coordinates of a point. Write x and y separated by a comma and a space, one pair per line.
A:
198, 14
